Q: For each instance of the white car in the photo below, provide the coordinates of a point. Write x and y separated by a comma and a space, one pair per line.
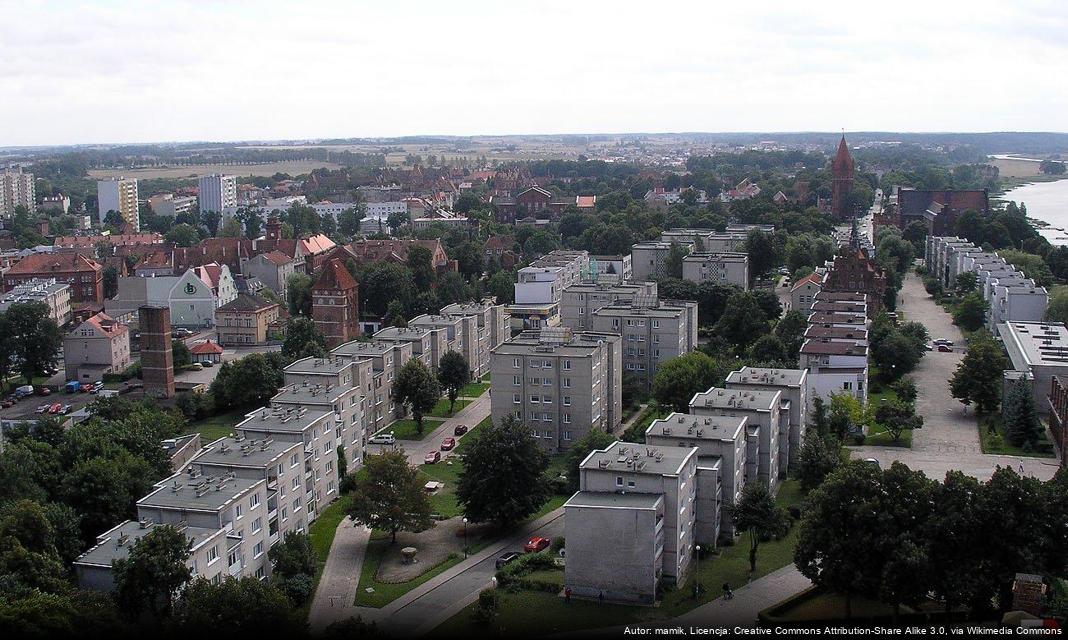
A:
383, 438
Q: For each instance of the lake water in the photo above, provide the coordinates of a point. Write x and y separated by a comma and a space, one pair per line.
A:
1046, 201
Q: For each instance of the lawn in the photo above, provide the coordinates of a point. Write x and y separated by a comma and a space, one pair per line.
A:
876, 437
443, 501
995, 443
386, 592
468, 437
474, 389
217, 426
405, 429
441, 409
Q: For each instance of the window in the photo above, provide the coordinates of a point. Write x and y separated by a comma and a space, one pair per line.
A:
848, 386
567, 401
516, 398
213, 554
547, 399
567, 383
516, 380
656, 324
567, 435
546, 382
237, 512
567, 364
515, 363
257, 524
567, 418
254, 501
257, 551
619, 481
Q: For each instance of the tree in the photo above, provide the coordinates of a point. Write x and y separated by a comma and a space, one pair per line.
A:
418, 388
251, 380
762, 252
502, 480
1022, 427
819, 420
35, 339
845, 415
979, 374
388, 495
768, 349
680, 378
252, 219
148, 580
954, 537
348, 221
791, 330
299, 294
896, 418
235, 607
183, 235
231, 228
303, 340
501, 285
971, 312
293, 566
593, 440
421, 265
816, 460
905, 388
756, 513
743, 321
453, 374
895, 355
382, 282
452, 288
395, 315
180, 354
111, 281
396, 220
673, 262
967, 282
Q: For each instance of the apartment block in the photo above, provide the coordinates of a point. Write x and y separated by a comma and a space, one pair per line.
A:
493, 324
767, 410
378, 364
619, 268
653, 331
50, 292
559, 384
217, 193
649, 259
461, 334
170, 205
97, 346
16, 190
119, 195
1038, 352
428, 343
721, 444
793, 383
835, 367
650, 494
581, 300
717, 268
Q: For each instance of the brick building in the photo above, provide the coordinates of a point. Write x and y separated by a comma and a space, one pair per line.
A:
841, 182
84, 275
335, 304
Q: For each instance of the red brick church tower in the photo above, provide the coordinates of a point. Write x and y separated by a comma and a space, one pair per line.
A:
841, 181
336, 304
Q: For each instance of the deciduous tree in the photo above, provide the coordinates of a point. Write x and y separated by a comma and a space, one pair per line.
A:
417, 388
453, 374
389, 495
503, 476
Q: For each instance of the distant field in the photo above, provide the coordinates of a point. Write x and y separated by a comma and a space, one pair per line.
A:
292, 167
1016, 168
522, 151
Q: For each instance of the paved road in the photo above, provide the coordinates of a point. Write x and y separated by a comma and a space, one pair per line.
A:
416, 450
949, 438
341, 576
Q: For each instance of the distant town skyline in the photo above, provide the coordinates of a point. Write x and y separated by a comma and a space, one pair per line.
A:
110, 72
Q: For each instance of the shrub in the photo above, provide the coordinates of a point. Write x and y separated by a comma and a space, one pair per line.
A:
489, 602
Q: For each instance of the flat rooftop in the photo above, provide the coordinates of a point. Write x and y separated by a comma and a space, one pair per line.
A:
244, 452
687, 426
356, 348
557, 341
844, 333
743, 399
204, 493
837, 317
819, 347
768, 375
408, 334
724, 256
329, 365
116, 544
467, 308
610, 500
311, 394
435, 320
283, 419
639, 458
1031, 344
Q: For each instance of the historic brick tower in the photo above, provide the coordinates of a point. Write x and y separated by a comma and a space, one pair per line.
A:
157, 361
841, 181
336, 304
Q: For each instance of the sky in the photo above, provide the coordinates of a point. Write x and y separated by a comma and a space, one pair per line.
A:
171, 70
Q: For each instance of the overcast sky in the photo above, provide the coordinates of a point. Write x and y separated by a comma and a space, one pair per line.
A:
163, 70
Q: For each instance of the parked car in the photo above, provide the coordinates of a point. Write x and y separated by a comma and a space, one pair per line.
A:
432, 457
383, 438
948, 343
537, 543
196, 366
873, 462
73, 386
23, 391
54, 409
505, 558
66, 409
459, 430
208, 363
448, 444
181, 333
43, 408
96, 387
928, 347
44, 391
945, 348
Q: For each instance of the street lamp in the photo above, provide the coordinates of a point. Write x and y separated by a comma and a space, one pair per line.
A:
697, 576
465, 538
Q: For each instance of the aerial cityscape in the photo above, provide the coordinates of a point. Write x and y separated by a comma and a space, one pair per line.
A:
352, 321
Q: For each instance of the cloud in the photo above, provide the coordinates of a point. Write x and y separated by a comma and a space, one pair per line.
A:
122, 71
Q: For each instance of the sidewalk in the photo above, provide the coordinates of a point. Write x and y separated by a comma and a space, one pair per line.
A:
341, 576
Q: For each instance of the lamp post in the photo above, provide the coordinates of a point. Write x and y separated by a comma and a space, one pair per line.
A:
465, 538
697, 575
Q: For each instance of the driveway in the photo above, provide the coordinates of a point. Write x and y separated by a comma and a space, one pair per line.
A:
416, 450
949, 438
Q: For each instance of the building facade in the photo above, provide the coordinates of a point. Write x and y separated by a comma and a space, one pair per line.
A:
119, 195
97, 346
16, 190
336, 304
217, 193
717, 268
245, 320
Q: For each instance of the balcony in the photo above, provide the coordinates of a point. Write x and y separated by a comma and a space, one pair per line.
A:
235, 569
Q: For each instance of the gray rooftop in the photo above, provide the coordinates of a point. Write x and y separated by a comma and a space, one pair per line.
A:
768, 376
358, 348
410, 334
311, 394
328, 364
737, 399
244, 452
581, 344
639, 458
608, 500
116, 544
467, 308
1032, 344
686, 426
283, 419
204, 493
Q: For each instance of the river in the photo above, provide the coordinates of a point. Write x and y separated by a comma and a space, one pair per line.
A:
1048, 202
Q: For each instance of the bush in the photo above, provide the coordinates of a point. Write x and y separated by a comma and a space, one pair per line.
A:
558, 543
859, 438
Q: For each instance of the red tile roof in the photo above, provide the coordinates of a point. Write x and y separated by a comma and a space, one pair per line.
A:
205, 348
106, 325
335, 276
38, 263
812, 278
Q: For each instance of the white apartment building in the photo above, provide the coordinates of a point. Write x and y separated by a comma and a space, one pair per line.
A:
16, 190
53, 294
170, 205
1037, 351
768, 412
217, 193
379, 363
653, 331
793, 383
835, 367
718, 268
493, 326
428, 343
579, 301
118, 195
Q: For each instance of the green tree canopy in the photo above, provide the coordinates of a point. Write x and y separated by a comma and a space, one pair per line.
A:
417, 388
303, 340
388, 495
453, 374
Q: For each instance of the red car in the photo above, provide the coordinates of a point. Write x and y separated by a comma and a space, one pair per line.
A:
55, 408
537, 544
447, 444
945, 349
432, 457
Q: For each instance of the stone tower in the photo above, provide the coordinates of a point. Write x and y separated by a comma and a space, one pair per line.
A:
335, 304
841, 181
157, 361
